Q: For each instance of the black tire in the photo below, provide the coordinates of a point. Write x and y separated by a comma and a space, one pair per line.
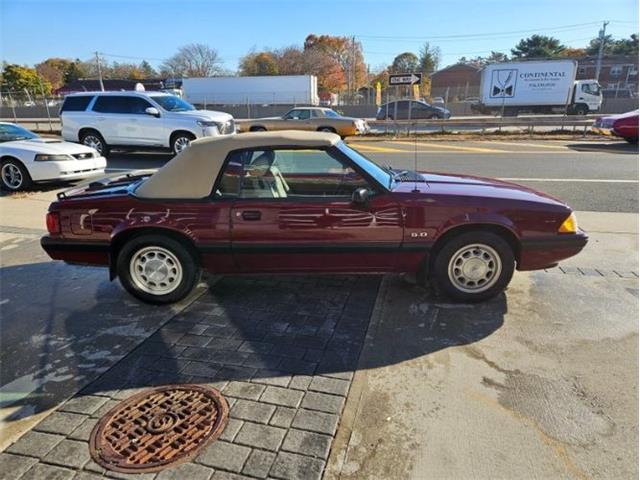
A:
580, 110
14, 177
327, 129
435, 116
440, 271
93, 139
191, 271
178, 140
632, 140
257, 129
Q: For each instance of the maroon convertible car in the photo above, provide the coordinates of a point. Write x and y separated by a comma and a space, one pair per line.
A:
304, 202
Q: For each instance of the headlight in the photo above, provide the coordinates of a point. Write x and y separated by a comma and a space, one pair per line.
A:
52, 158
209, 123
570, 225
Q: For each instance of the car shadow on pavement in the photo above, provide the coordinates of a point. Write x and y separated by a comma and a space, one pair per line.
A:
274, 331
621, 147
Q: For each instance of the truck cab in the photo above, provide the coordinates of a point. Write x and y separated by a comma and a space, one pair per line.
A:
586, 98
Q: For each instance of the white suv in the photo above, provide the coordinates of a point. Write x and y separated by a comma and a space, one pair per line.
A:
103, 120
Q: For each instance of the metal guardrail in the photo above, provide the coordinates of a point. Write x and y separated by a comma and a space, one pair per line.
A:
482, 123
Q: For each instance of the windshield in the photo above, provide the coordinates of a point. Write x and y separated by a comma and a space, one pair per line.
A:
382, 176
591, 88
10, 133
331, 113
172, 104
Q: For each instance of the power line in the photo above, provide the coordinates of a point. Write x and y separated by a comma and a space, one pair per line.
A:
576, 26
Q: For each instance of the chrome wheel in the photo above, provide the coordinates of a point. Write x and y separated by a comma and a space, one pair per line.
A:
12, 176
474, 268
181, 143
155, 270
94, 142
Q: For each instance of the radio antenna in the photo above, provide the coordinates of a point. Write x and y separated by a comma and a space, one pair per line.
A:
415, 163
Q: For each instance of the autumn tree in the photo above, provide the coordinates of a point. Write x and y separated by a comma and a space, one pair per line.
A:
538, 46
573, 53
405, 62
194, 60
261, 63
16, 78
345, 52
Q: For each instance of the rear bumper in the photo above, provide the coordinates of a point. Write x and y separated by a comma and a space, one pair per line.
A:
76, 251
542, 252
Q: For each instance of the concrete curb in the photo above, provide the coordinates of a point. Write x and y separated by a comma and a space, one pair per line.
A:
340, 446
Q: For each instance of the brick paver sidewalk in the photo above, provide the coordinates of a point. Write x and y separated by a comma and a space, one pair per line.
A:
281, 349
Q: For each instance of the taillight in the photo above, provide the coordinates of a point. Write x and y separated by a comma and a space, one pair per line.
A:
53, 222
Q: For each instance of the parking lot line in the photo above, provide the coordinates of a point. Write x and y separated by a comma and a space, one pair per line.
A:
453, 147
365, 147
569, 180
519, 144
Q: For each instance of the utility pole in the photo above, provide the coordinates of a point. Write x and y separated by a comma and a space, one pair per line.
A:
99, 71
600, 49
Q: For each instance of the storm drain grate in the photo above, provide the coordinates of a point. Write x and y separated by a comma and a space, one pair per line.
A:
158, 428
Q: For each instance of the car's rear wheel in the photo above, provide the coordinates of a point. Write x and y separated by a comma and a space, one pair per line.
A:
180, 141
474, 266
632, 140
258, 129
157, 269
93, 139
14, 176
327, 129
435, 116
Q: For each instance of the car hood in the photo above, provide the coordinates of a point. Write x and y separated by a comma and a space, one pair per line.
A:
619, 116
47, 146
203, 115
472, 186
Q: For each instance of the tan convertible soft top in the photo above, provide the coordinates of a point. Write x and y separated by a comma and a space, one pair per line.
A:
191, 174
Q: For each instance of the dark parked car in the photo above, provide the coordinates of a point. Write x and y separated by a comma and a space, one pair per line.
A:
304, 202
411, 110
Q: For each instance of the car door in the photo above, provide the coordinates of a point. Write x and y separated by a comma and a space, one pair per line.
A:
106, 118
294, 212
298, 119
142, 128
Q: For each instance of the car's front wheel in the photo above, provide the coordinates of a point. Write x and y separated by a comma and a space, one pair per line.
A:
474, 266
157, 269
14, 176
180, 141
93, 139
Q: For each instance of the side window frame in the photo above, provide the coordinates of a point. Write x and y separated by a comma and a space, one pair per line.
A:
332, 151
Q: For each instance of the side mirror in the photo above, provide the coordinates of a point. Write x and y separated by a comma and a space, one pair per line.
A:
360, 196
153, 111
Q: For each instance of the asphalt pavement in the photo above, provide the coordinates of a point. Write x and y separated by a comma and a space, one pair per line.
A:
589, 174
534, 384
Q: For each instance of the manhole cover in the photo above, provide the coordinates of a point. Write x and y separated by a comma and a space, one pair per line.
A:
158, 428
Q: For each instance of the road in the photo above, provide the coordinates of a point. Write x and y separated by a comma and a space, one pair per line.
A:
543, 364
591, 175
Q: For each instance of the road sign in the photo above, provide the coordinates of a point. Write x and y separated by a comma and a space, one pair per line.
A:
405, 79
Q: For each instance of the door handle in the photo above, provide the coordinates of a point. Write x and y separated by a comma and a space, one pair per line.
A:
251, 215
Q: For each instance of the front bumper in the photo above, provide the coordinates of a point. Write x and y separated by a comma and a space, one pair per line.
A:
544, 252
68, 170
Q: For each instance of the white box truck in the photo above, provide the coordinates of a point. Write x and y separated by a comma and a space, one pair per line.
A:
260, 90
548, 86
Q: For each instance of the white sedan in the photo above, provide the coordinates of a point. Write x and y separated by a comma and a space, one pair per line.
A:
26, 158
